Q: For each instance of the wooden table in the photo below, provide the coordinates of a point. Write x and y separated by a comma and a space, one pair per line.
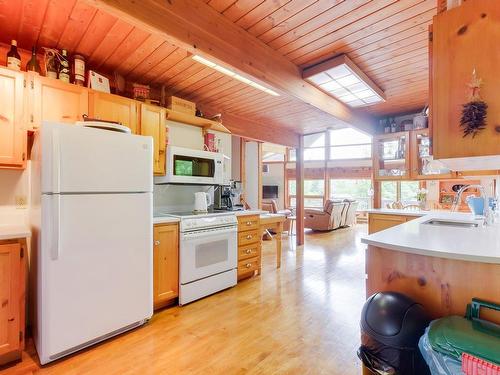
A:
274, 222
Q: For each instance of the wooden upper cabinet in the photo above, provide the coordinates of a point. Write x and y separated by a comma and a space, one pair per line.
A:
11, 294
153, 124
165, 264
391, 156
12, 128
114, 108
465, 38
53, 100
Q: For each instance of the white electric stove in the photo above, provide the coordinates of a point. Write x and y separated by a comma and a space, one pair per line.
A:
208, 249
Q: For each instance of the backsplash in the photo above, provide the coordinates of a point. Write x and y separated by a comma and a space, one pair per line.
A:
177, 197
14, 196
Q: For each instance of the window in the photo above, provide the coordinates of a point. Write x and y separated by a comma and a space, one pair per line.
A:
314, 191
273, 156
399, 191
314, 146
349, 143
360, 189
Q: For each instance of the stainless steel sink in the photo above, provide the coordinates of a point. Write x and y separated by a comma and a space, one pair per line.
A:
451, 223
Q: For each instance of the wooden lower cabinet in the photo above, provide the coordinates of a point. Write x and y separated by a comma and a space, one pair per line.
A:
12, 297
378, 222
165, 264
249, 246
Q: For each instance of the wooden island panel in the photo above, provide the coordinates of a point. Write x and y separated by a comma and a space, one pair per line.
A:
444, 286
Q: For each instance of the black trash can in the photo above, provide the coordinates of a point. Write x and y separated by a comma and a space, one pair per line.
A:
391, 325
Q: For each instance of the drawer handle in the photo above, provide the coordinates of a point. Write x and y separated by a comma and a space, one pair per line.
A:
249, 237
249, 223
248, 265
249, 251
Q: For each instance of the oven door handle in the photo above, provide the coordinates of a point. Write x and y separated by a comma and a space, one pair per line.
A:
208, 233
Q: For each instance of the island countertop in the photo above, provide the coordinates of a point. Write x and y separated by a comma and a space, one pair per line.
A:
476, 244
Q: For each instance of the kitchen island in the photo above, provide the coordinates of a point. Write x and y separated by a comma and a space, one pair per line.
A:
439, 265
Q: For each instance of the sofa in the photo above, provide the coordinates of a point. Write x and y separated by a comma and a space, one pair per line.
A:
334, 214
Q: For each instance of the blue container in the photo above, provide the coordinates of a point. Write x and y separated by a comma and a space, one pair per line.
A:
476, 205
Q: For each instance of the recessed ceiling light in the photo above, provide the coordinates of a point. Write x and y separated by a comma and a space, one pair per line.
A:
233, 74
345, 81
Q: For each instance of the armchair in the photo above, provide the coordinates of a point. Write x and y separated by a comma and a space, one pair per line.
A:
328, 218
272, 207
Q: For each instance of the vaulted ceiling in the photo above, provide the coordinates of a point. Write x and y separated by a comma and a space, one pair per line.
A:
386, 38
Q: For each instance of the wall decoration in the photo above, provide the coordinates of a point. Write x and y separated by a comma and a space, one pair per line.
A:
474, 112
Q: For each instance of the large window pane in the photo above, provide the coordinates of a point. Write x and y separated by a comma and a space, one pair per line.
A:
273, 156
292, 187
360, 190
314, 187
292, 155
389, 192
409, 192
313, 202
314, 154
348, 136
351, 152
315, 140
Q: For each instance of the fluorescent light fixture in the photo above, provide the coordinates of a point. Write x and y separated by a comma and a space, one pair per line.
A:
345, 81
234, 75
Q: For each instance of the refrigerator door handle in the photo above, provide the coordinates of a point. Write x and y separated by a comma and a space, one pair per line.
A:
56, 230
56, 161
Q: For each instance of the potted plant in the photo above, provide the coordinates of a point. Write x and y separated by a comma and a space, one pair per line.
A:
422, 198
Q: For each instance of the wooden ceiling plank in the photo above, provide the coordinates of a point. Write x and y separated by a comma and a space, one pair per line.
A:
141, 53
396, 73
315, 50
134, 40
240, 8
260, 12
221, 5
265, 107
156, 57
55, 20
204, 73
179, 73
322, 24
420, 56
99, 27
230, 94
78, 22
110, 42
198, 28
279, 16
33, 13
290, 23
250, 100
174, 58
221, 83
198, 85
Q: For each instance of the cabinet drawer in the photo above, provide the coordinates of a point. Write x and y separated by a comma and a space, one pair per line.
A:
249, 251
248, 237
248, 265
249, 222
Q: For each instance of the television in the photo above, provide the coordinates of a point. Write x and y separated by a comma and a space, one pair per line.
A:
270, 191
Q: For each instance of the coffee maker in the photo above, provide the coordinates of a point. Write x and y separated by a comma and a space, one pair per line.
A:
222, 198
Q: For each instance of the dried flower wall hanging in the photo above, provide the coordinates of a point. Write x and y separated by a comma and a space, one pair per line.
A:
474, 112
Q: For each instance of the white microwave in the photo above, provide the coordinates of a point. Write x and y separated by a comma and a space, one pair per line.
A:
189, 166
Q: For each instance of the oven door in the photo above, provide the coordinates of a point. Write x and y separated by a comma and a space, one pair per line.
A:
207, 252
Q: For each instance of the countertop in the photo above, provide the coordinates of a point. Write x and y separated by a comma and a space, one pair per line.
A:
392, 211
480, 244
14, 231
165, 219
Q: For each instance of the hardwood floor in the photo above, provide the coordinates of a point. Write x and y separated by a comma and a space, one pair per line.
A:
300, 319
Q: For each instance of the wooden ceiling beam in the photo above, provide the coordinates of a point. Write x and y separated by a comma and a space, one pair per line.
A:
199, 29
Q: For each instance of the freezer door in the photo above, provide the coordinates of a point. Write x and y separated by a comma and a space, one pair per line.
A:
96, 267
77, 159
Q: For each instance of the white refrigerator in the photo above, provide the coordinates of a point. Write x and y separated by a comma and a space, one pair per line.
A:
92, 255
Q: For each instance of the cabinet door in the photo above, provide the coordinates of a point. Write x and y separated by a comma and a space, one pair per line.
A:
465, 38
391, 156
376, 223
165, 264
153, 124
53, 100
10, 294
114, 108
12, 130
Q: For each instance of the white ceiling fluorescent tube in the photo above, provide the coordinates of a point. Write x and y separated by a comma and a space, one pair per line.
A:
341, 78
233, 74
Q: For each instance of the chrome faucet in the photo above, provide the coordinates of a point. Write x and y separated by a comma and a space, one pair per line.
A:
458, 197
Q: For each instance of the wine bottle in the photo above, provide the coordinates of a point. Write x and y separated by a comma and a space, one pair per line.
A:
13, 58
64, 70
32, 65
